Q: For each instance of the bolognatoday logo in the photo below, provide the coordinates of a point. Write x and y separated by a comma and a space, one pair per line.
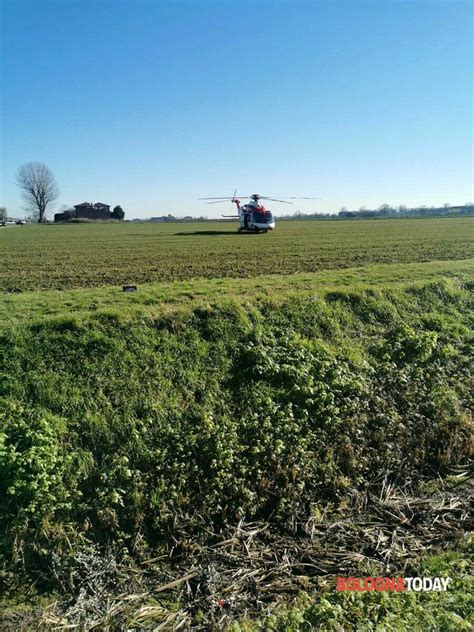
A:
393, 584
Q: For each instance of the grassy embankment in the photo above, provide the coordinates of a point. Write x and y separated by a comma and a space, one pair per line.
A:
138, 430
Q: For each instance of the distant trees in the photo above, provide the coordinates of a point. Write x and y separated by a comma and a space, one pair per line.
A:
38, 187
118, 212
386, 210
3, 215
345, 213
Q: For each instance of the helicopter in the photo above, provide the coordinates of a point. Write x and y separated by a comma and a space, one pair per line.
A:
253, 216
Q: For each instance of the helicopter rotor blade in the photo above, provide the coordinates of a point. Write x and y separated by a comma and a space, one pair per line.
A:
233, 199
224, 197
261, 197
286, 197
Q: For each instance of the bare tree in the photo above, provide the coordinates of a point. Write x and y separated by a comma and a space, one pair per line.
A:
38, 186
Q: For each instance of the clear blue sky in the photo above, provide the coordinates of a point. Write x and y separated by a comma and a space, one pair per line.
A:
152, 105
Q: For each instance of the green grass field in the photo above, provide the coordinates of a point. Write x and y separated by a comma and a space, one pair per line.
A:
90, 255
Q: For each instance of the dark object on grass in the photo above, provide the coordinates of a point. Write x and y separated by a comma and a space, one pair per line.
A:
129, 288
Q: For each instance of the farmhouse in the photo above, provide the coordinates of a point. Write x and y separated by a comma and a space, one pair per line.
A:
85, 210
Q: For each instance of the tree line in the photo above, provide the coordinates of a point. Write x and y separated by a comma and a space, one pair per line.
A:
385, 210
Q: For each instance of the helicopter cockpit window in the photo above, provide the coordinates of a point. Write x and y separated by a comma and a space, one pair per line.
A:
262, 217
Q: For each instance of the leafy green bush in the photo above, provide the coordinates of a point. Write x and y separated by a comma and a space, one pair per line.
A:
32, 460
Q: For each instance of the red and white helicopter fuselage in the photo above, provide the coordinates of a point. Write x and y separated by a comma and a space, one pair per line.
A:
254, 217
